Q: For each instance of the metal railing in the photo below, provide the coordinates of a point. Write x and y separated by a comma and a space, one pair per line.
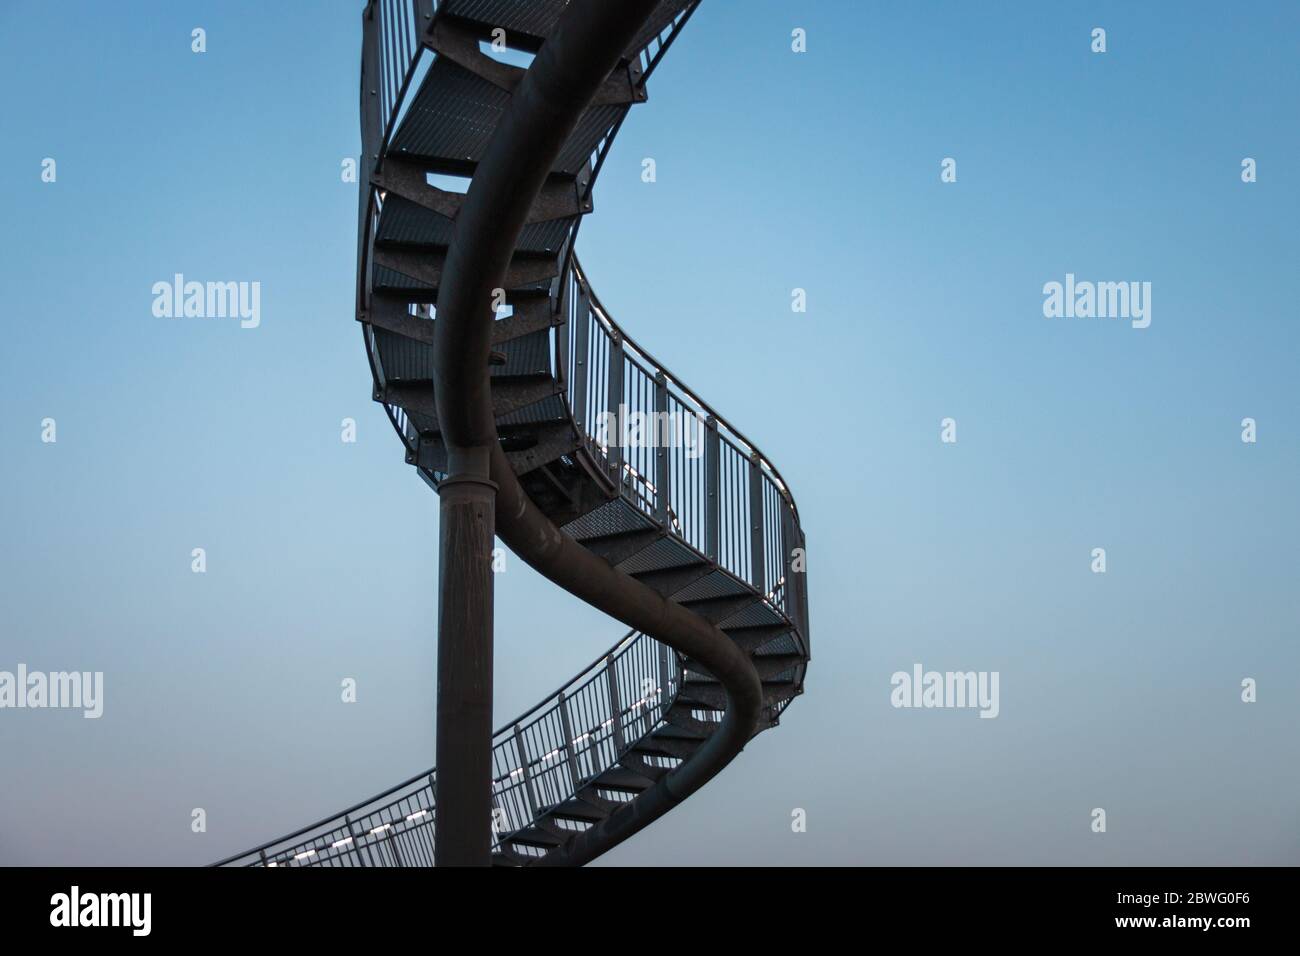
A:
390, 53
391, 58
718, 494
698, 478
540, 760
675, 458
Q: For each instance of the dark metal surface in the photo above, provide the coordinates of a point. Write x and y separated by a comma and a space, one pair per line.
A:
464, 792
692, 547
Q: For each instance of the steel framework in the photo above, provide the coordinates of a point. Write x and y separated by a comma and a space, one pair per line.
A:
511, 388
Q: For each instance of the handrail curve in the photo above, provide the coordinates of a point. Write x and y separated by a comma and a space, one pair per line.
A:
386, 831
719, 498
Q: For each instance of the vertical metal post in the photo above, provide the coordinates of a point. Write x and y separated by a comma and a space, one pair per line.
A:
801, 588
371, 121
356, 844
392, 845
757, 565
522, 752
371, 134
570, 757
614, 704
465, 588
613, 402
499, 820
663, 437
792, 591
433, 815
663, 679
712, 489
423, 17
581, 360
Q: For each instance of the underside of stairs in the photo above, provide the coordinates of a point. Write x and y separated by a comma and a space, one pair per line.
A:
696, 513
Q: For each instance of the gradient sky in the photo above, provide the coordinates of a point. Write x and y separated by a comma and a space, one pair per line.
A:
775, 171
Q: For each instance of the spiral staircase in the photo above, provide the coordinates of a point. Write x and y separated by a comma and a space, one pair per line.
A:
651, 505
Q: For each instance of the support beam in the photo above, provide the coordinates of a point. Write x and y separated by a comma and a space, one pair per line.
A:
463, 792
544, 109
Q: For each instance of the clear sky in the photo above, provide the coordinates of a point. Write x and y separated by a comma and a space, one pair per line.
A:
776, 171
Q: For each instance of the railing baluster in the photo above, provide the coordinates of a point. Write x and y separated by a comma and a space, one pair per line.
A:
757, 566
423, 14
614, 400
581, 359
791, 538
663, 679
570, 756
712, 489
663, 438
522, 753
615, 706
371, 122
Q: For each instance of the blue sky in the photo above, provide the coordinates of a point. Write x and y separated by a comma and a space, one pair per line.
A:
775, 171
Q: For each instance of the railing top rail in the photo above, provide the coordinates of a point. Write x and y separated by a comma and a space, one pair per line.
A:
598, 307
585, 674
333, 817
507, 728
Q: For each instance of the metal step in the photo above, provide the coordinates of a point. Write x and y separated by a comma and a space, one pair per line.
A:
659, 746
617, 548
575, 809
623, 780
712, 694
672, 732
679, 715
751, 638
408, 179
528, 22
526, 451
716, 610
454, 115
536, 836
409, 270
772, 665
669, 581
510, 397
405, 225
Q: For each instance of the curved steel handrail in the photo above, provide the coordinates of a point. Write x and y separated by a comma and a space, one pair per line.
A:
703, 406
736, 511
538, 763
555, 761
543, 110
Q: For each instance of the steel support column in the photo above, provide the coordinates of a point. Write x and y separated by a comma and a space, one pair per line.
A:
544, 109
463, 792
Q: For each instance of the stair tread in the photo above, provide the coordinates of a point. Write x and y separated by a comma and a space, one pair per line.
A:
536, 836
575, 809
620, 778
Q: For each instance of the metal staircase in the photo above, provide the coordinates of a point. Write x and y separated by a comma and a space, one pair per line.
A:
651, 505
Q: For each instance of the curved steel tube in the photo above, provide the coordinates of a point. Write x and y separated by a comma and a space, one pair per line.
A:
409, 806
539, 754
706, 409
544, 109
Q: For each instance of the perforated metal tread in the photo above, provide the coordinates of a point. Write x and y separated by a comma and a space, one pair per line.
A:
530, 21
455, 112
